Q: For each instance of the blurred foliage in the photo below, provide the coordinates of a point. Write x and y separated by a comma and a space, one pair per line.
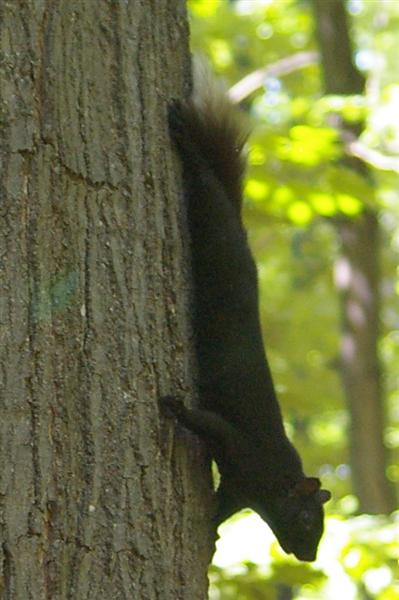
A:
358, 558
295, 189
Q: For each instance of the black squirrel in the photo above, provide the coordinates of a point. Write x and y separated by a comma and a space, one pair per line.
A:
239, 415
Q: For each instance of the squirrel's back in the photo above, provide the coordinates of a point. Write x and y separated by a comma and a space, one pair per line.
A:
209, 134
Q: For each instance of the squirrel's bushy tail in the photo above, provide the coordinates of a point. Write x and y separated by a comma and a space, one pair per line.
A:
218, 129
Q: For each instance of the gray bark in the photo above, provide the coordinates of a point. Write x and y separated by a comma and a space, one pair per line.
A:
99, 497
358, 282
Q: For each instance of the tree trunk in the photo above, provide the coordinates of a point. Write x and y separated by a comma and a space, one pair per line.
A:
358, 282
94, 500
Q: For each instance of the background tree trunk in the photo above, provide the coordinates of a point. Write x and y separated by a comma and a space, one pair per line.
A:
358, 282
94, 500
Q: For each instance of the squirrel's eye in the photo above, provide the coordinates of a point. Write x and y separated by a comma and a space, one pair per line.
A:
306, 519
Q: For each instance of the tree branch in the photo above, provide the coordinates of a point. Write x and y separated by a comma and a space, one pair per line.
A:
256, 79
373, 157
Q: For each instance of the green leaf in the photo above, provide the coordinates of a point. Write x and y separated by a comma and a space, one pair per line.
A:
309, 145
300, 213
323, 203
349, 205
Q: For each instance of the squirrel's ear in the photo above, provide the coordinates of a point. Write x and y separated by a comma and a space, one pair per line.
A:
324, 496
307, 486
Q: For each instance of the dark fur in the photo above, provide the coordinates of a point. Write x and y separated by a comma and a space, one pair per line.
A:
239, 415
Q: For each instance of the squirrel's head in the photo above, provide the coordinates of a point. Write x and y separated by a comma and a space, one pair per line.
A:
296, 517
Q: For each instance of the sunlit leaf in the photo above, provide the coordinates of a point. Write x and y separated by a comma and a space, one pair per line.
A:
308, 145
323, 204
353, 108
299, 107
283, 196
220, 53
300, 213
203, 8
257, 155
349, 205
256, 190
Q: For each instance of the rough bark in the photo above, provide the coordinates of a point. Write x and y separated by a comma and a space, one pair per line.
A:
358, 284
96, 501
